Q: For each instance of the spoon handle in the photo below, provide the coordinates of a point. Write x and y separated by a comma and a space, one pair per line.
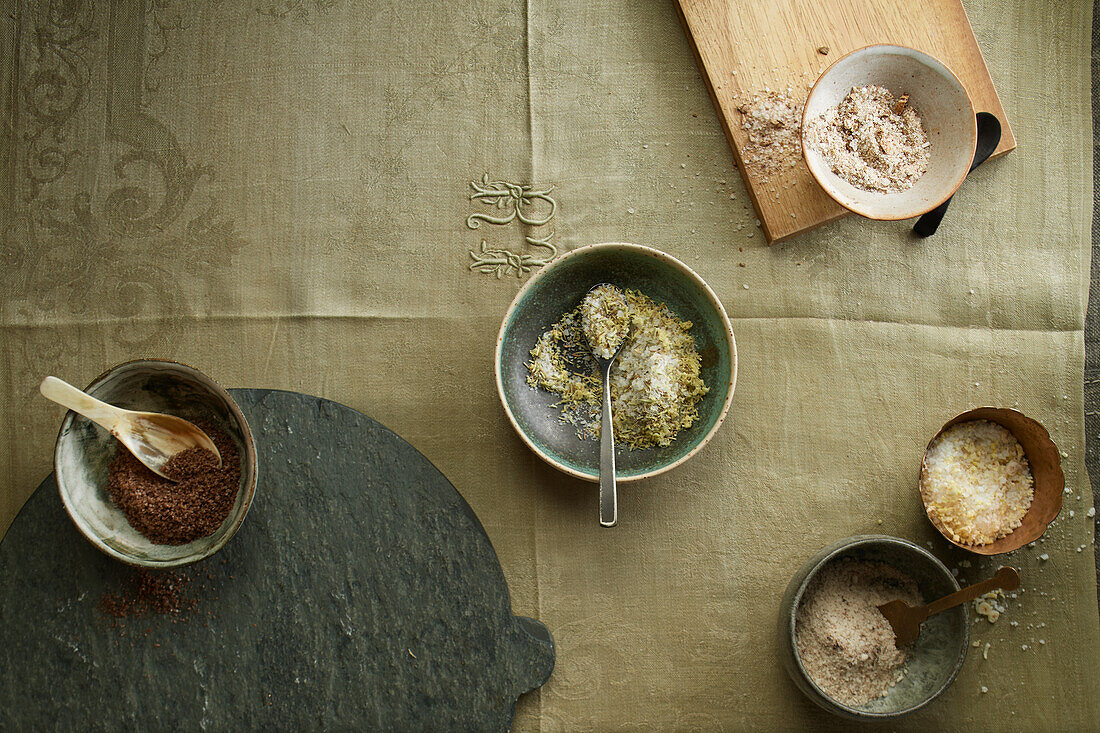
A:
927, 225
1005, 578
66, 395
609, 502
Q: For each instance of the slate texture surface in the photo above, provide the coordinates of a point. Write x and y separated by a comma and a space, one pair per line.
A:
362, 592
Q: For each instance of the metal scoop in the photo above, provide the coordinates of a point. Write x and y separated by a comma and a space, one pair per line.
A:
152, 437
906, 619
609, 500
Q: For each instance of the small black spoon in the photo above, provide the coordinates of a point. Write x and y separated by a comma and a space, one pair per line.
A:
989, 137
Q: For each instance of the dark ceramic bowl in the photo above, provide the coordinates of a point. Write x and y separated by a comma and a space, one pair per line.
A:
84, 451
556, 290
938, 653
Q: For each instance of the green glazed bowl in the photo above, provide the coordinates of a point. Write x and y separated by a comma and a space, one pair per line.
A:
84, 451
557, 289
938, 653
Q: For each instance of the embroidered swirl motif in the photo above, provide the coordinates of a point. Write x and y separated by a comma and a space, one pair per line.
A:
501, 262
55, 91
160, 25
63, 244
512, 197
518, 201
294, 8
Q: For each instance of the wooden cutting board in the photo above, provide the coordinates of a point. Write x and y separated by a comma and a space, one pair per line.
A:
744, 48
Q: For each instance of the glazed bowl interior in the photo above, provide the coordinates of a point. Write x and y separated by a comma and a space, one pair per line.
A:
945, 110
556, 290
935, 658
84, 451
1046, 470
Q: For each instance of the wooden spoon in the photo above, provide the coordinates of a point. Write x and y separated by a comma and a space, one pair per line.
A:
906, 619
152, 437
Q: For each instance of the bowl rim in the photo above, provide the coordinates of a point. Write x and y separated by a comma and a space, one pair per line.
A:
640, 248
923, 58
826, 555
249, 453
999, 546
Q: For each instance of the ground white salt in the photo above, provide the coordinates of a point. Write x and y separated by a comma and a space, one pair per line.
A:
873, 141
845, 643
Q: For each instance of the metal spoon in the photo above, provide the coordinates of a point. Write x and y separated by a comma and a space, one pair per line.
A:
989, 137
906, 619
152, 437
609, 500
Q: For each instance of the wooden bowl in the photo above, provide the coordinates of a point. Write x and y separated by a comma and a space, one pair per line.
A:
1046, 469
945, 109
555, 290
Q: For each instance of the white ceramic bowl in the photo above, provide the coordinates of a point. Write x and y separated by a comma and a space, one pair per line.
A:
945, 109
84, 452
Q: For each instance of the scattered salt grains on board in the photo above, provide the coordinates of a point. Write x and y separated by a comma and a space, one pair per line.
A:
773, 121
872, 141
976, 482
845, 643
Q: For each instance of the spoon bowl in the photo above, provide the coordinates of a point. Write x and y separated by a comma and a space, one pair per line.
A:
152, 437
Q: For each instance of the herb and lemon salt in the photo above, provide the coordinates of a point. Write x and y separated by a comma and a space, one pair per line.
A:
605, 319
655, 383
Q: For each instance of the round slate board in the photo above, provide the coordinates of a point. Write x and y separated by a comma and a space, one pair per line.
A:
361, 592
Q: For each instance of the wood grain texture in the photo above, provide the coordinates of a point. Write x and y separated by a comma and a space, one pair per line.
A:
746, 48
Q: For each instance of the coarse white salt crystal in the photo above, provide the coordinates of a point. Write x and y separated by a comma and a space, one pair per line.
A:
984, 689
1091, 512
976, 482
1044, 557
989, 606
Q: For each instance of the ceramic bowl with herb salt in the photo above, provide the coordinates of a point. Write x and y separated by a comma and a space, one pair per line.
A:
674, 378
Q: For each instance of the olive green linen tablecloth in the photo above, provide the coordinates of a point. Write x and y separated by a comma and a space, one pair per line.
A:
278, 192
